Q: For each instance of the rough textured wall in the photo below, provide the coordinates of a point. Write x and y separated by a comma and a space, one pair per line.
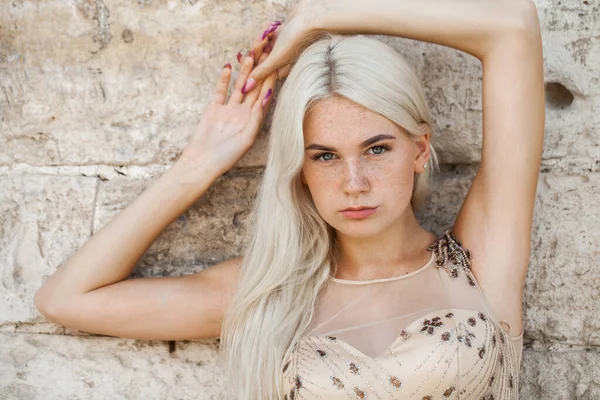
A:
98, 98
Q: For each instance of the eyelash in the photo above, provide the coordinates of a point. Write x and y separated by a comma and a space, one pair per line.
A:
383, 146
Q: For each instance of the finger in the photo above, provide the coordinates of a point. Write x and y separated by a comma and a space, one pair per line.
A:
272, 63
255, 92
237, 96
283, 71
263, 39
267, 92
220, 93
259, 111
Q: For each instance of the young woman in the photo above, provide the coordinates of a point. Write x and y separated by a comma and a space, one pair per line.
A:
341, 293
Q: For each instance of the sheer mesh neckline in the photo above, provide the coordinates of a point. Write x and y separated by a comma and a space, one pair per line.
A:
393, 278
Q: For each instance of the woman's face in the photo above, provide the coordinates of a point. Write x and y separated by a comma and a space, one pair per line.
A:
355, 157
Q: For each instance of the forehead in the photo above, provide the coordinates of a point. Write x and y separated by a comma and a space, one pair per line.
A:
337, 117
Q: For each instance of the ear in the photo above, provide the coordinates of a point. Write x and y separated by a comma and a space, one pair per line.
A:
422, 155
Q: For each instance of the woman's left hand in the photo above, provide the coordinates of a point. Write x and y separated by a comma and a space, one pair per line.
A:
286, 41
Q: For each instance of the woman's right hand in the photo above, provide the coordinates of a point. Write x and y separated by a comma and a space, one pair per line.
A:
307, 22
228, 128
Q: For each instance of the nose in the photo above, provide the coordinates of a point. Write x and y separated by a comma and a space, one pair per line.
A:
355, 178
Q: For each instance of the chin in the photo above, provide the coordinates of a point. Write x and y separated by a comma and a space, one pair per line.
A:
363, 228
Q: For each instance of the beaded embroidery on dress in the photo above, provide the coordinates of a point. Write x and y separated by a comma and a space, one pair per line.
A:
425, 335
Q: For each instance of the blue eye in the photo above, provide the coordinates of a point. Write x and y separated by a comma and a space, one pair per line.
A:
321, 156
377, 150
384, 147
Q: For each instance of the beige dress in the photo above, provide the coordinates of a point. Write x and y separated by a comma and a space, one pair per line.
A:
428, 334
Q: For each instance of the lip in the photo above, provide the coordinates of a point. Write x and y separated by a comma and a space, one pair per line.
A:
358, 212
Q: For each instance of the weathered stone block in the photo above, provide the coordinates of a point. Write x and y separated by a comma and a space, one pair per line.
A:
562, 293
53, 367
212, 230
560, 374
87, 94
138, 98
43, 219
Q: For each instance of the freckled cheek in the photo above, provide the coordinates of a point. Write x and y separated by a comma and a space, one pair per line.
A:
322, 182
324, 189
397, 175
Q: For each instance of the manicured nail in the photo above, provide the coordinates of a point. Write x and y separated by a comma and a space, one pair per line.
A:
266, 99
268, 31
249, 85
227, 66
276, 23
239, 57
251, 54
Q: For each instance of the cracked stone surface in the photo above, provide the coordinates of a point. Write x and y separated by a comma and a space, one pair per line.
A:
99, 97
35, 366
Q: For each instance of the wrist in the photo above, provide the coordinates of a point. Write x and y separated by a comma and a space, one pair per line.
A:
352, 17
197, 165
197, 175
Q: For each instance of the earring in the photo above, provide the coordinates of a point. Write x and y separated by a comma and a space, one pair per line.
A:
425, 165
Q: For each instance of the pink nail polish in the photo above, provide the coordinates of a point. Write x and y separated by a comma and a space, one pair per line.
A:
239, 57
268, 31
249, 85
266, 99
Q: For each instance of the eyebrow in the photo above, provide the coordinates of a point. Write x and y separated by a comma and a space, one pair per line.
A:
366, 143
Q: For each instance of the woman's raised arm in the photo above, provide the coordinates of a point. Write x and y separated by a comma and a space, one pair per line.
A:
90, 291
496, 217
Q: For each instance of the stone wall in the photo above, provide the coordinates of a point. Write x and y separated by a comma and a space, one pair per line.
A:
99, 97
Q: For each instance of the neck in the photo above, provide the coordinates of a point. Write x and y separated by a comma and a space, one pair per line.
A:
398, 250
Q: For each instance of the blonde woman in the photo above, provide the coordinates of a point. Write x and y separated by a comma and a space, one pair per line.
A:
341, 293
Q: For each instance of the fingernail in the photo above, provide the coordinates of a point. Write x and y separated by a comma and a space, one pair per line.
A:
268, 31
276, 23
249, 85
266, 99
227, 66
239, 57
251, 54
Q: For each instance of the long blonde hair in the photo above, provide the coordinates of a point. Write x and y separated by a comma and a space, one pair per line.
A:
292, 251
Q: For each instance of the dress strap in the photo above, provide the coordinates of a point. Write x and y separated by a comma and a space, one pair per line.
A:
450, 255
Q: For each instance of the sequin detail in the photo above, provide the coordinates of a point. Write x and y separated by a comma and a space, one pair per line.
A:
450, 255
395, 382
359, 393
336, 382
433, 351
429, 325
353, 368
448, 392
